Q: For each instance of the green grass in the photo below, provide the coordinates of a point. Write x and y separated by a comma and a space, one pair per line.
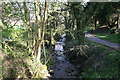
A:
110, 37
106, 61
102, 61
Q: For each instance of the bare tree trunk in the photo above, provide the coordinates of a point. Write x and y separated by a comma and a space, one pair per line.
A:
39, 47
43, 32
37, 12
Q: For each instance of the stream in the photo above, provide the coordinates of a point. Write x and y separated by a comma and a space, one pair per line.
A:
62, 67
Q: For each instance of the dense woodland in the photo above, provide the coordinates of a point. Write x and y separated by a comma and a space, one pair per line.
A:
31, 29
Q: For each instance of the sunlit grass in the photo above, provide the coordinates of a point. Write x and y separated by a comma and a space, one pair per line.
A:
102, 36
110, 37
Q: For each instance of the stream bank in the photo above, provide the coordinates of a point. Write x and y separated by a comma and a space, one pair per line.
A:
100, 61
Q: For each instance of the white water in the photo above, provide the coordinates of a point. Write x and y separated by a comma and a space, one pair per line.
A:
58, 47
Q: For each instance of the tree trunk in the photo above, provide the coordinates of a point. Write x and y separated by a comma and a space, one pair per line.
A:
27, 23
39, 47
80, 34
80, 21
95, 22
118, 24
26, 13
43, 32
1, 24
118, 21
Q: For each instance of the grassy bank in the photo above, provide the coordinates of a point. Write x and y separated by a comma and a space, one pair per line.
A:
110, 37
98, 61
103, 63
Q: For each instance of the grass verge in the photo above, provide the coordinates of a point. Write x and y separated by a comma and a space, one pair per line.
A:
110, 37
98, 61
104, 63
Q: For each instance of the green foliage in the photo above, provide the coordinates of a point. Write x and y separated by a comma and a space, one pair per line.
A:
22, 41
38, 70
12, 33
12, 62
105, 11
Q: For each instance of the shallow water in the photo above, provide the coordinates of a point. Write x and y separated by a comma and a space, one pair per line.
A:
58, 47
62, 67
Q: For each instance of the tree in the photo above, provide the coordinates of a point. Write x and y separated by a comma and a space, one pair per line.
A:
41, 37
82, 19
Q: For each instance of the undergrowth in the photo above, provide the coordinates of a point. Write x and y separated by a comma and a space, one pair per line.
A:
98, 61
17, 63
